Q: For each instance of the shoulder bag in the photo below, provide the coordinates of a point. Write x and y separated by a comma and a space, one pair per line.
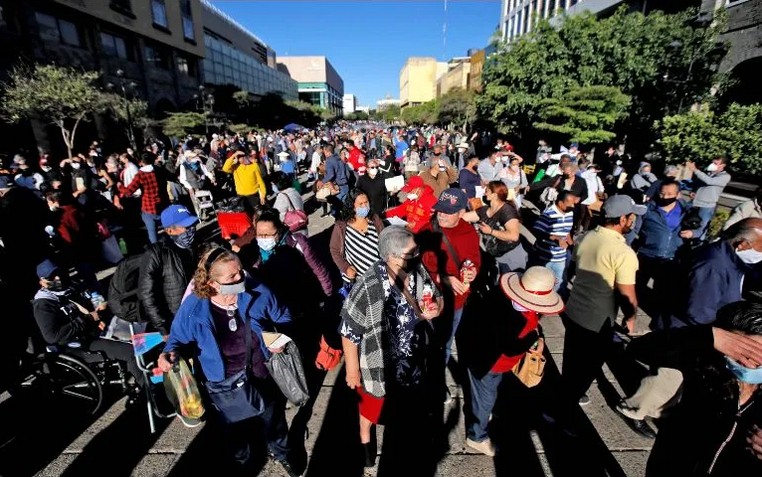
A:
531, 368
235, 397
294, 219
493, 245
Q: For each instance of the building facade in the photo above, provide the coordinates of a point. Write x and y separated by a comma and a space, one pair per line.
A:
386, 103
418, 80
456, 77
318, 81
349, 104
153, 47
237, 57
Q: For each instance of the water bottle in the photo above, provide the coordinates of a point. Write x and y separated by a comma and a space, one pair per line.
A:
123, 246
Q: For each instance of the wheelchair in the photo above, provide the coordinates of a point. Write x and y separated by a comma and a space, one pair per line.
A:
74, 377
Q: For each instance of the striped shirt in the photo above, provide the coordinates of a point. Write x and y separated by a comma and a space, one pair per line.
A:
552, 224
361, 250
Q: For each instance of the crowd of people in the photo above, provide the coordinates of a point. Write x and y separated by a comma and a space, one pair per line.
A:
447, 249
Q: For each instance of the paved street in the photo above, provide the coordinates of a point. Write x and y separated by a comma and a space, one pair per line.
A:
119, 443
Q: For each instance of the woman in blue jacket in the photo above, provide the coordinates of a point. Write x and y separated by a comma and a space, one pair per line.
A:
212, 319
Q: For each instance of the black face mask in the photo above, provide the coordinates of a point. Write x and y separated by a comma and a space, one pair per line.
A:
665, 201
411, 263
57, 285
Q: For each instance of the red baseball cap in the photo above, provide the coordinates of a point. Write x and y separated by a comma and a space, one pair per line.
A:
413, 183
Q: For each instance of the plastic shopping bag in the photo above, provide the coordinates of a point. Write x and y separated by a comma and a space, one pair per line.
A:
287, 371
180, 384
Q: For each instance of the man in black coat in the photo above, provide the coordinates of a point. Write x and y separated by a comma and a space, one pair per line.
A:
168, 267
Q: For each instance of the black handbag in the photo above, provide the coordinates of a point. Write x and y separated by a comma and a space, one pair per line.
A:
236, 398
493, 245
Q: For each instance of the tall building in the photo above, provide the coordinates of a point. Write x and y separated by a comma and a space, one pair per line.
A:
237, 57
518, 17
156, 45
418, 80
318, 81
387, 102
456, 76
349, 104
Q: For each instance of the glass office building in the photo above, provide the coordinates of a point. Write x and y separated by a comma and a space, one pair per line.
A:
224, 64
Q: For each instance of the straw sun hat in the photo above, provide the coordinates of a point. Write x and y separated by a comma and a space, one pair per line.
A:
533, 290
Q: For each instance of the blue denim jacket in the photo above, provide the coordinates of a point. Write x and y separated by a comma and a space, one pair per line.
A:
656, 239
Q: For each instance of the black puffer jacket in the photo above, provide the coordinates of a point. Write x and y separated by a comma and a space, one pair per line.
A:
164, 275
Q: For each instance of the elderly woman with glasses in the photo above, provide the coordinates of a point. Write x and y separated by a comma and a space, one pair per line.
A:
385, 328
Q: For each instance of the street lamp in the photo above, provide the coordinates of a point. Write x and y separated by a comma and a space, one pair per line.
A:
123, 86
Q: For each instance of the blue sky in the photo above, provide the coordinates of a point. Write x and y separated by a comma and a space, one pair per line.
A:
368, 41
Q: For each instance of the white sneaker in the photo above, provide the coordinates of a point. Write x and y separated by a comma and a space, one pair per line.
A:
485, 446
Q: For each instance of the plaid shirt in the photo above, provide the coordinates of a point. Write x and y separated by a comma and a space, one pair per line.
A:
363, 322
154, 190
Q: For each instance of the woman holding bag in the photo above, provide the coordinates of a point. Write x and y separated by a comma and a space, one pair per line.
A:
223, 320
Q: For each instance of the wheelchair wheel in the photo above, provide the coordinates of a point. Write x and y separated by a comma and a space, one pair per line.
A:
71, 380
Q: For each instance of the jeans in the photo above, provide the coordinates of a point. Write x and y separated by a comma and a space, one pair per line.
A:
150, 221
706, 214
456, 316
483, 398
558, 269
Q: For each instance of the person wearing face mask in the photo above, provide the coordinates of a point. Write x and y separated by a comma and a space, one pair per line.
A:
661, 236
605, 281
710, 186
287, 198
468, 178
715, 279
492, 345
386, 329
167, 268
514, 178
715, 429
373, 185
751, 208
66, 317
354, 239
214, 320
416, 209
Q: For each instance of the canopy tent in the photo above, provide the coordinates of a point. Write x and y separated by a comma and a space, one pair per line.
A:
293, 127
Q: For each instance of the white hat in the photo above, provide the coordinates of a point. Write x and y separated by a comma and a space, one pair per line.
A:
283, 154
464, 145
533, 290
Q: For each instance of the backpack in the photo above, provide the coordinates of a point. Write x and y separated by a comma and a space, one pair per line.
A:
123, 290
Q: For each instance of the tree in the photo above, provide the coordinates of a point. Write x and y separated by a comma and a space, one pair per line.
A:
357, 116
584, 114
458, 106
63, 96
630, 51
241, 129
138, 113
703, 135
180, 125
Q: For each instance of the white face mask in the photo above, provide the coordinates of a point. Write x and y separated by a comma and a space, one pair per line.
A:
711, 167
75, 165
412, 196
749, 256
266, 244
372, 172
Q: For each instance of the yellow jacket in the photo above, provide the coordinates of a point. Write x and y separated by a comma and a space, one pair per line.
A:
247, 177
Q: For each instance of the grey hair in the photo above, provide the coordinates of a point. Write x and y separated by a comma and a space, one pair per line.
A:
392, 240
746, 230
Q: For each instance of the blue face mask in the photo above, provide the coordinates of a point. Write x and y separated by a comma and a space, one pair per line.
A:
362, 212
747, 375
185, 239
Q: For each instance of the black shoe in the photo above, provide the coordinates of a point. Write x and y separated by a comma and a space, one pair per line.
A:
287, 467
640, 426
370, 454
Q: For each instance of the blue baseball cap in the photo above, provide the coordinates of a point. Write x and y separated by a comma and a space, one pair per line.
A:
451, 201
177, 216
47, 269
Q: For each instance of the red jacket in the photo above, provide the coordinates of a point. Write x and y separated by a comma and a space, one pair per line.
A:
357, 160
438, 260
417, 212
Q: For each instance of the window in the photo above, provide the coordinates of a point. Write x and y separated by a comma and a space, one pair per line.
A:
186, 66
159, 11
185, 9
114, 46
55, 29
157, 57
122, 6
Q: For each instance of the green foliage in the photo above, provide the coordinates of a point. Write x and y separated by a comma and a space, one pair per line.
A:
584, 114
242, 99
241, 129
62, 96
179, 125
426, 113
702, 135
357, 116
629, 51
457, 107
714, 229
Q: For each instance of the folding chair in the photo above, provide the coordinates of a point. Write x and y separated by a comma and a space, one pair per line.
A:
144, 343
204, 204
